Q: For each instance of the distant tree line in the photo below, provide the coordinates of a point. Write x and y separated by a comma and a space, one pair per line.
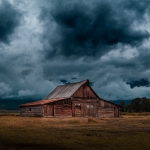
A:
136, 105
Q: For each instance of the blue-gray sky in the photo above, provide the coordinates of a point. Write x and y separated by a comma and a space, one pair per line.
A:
51, 42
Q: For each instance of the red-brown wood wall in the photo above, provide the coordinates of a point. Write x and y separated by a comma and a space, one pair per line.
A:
85, 92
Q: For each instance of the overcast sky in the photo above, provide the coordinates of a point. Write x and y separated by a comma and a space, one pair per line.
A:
44, 43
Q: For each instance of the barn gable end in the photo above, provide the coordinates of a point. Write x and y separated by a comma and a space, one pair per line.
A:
85, 92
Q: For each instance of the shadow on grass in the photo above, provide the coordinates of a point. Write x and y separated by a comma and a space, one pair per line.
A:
8, 145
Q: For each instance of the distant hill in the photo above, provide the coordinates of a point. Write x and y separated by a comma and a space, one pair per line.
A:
118, 101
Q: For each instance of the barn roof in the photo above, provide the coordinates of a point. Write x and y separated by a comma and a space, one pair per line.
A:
65, 91
42, 102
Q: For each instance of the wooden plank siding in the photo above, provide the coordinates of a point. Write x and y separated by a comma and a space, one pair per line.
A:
85, 91
32, 111
107, 109
48, 110
58, 109
105, 112
63, 110
84, 107
77, 108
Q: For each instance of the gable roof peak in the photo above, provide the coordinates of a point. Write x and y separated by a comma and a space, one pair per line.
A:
67, 90
87, 81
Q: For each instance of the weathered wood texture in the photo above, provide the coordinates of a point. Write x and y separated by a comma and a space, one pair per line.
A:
105, 112
63, 110
32, 111
48, 110
107, 109
90, 107
60, 108
84, 107
85, 91
116, 111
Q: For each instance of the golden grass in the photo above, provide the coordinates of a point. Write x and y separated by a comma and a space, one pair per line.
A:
125, 133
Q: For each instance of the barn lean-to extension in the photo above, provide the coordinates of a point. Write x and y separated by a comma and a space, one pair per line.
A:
71, 100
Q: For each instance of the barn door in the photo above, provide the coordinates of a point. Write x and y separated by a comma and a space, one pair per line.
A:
49, 110
77, 111
90, 110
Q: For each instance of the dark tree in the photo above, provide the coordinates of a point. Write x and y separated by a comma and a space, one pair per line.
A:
138, 105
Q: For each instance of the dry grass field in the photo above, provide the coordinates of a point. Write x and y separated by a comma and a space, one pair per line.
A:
130, 132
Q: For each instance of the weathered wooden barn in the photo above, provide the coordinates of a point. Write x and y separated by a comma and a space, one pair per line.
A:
71, 100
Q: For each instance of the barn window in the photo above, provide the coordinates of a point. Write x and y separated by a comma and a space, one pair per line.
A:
91, 106
66, 101
29, 109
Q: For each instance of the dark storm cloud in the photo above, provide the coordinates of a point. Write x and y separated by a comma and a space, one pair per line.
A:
88, 29
138, 83
9, 20
114, 33
64, 81
26, 72
137, 9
